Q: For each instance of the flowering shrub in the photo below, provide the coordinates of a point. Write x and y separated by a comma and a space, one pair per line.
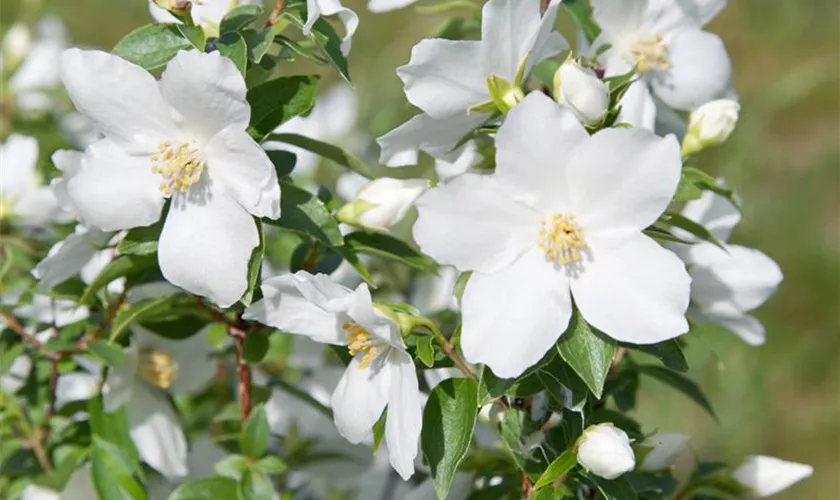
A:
192, 310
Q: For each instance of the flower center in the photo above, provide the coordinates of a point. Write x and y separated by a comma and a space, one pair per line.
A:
158, 368
359, 340
562, 239
650, 52
180, 165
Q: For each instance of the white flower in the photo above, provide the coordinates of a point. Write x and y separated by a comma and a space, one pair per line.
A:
604, 450
447, 78
150, 365
16, 44
205, 13
435, 292
23, 199
468, 158
80, 485
382, 202
317, 8
682, 64
38, 72
666, 449
381, 373
379, 6
79, 253
561, 217
710, 125
582, 91
726, 284
766, 476
182, 139
47, 310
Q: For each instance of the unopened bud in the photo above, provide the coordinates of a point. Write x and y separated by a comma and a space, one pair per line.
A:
604, 450
16, 45
582, 91
382, 203
710, 125
765, 476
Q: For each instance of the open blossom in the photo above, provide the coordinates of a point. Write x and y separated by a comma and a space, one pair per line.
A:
382, 202
381, 373
726, 283
604, 450
561, 217
680, 63
447, 79
181, 139
82, 252
37, 74
765, 476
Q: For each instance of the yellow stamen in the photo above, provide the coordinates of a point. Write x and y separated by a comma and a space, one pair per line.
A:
158, 368
359, 340
650, 52
180, 165
562, 239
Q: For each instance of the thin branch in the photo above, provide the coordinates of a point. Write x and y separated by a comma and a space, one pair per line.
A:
239, 332
16, 327
275, 13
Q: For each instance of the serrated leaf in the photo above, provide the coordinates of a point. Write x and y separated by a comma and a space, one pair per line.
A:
141, 240
339, 155
448, 423
304, 213
110, 354
557, 468
239, 17
389, 247
122, 267
669, 352
258, 42
679, 382
426, 351
324, 37
233, 46
152, 46
255, 433
278, 101
217, 488
588, 353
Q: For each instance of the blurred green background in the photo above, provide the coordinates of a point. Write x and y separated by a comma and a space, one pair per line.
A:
782, 399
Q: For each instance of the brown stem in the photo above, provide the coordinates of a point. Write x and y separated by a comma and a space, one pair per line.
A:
275, 13
41, 455
16, 327
527, 486
544, 6
243, 376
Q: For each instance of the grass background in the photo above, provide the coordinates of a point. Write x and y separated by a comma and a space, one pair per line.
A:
782, 399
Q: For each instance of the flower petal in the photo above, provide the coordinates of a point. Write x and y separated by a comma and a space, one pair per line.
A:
18, 156
241, 165
669, 15
700, 71
120, 383
70, 163
360, 397
67, 257
634, 291
745, 326
622, 178
439, 138
121, 99
715, 213
206, 245
766, 476
445, 77
156, 432
405, 415
619, 19
206, 93
473, 224
318, 8
638, 107
511, 318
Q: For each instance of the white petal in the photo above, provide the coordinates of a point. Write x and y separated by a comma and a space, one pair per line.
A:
634, 291
715, 213
34, 492
438, 138
318, 8
361, 310
622, 178
378, 6
121, 99
15, 378
67, 257
619, 19
70, 163
445, 77
241, 165
747, 327
206, 93
533, 146
668, 15
38, 208
206, 245
405, 416
323, 291
191, 355
75, 386
473, 224
700, 71
766, 476
468, 158
18, 157
285, 308
120, 383
513, 317
115, 191
638, 107
359, 398
156, 432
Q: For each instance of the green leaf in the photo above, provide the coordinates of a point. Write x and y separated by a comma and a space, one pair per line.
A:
426, 351
669, 352
278, 101
587, 352
615, 489
492, 387
113, 428
233, 46
110, 354
110, 477
582, 14
256, 486
255, 347
679, 382
254, 439
254, 266
324, 37
688, 189
271, 465
448, 422
258, 42
680, 221
385, 245
379, 430
194, 34
138, 312
560, 466
152, 46
284, 162
304, 213
177, 324
217, 488
141, 240
232, 465
563, 385
239, 17
352, 258
340, 156
123, 266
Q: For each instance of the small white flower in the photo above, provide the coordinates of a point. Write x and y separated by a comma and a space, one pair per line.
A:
205, 13
182, 138
446, 79
582, 91
16, 44
382, 372
382, 202
47, 310
38, 73
317, 8
604, 450
552, 223
710, 124
150, 365
766, 476
79, 253
80, 485
666, 449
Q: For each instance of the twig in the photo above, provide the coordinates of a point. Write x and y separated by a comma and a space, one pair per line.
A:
243, 376
544, 6
16, 327
275, 13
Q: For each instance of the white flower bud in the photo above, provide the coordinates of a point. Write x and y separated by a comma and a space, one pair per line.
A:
604, 450
766, 476
16, 44
666, 449
582, 91
710, 125
382, 203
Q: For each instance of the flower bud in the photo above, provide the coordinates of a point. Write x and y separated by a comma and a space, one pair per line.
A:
178, 7
604, 450
766, 476
710, 125
16, 44
582, 91
382, 202
666, 448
